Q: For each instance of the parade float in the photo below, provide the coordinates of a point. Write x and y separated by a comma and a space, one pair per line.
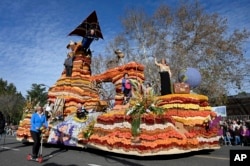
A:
147, 125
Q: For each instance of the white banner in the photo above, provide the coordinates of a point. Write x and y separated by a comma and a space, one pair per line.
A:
220, 111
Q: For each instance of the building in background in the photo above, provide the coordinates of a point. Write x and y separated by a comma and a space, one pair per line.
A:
238, 105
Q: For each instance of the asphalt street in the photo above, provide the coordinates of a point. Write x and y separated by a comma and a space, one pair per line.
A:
13, 153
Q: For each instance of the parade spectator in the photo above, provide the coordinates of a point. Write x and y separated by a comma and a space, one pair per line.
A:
11, 129
228, 137
234, 125
2, 124
222, 133
237, 140
245, 135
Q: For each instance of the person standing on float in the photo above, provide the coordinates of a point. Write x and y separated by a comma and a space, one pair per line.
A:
68, 63
165, 75
126, 88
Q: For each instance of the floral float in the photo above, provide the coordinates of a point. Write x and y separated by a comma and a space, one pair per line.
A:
171, 124
146, 126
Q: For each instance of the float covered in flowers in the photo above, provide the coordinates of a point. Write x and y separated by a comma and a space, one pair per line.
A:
185, 123
147, 125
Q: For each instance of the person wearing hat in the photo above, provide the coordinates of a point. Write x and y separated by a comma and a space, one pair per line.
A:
68, 63
71, 45
74, 47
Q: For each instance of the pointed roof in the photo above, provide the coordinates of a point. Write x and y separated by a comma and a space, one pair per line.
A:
91, 22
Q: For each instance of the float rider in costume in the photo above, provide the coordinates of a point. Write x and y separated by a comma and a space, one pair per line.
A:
165, 75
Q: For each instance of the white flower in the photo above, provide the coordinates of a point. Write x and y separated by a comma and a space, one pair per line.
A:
152, 105
129, 111
138, 130
148, 110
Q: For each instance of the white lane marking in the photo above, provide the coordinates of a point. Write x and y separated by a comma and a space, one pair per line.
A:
4, 147
93, 165
212, 157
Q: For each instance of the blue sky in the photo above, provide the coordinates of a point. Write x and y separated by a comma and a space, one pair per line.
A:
33, 33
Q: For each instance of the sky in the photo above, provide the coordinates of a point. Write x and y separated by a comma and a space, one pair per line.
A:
34, 33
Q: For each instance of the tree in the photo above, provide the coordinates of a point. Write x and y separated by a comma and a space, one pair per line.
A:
37, 94
100, 64
11, 102
186, 37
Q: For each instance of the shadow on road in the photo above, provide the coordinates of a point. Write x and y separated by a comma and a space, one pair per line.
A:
53, 154
122, 158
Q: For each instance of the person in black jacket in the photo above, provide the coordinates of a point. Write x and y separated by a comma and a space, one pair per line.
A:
2, 123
